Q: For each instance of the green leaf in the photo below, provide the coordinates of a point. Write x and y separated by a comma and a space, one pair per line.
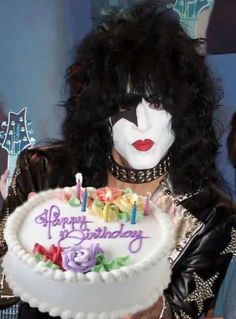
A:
98, 268
100, 259
115, 208
50, 264
98, 203
123, 217
139, 216
74, 201
114, 264
127, 191
119, 262
38, 256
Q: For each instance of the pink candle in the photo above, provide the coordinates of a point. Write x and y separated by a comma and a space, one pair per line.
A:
79, 180
146, 205
78, 190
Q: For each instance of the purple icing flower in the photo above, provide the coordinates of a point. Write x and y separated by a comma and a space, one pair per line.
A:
80, 259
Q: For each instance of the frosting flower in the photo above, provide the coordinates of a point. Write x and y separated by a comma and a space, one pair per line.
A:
53, 254
101, 194
80, 259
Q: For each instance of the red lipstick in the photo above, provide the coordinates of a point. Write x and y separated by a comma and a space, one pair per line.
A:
143, 145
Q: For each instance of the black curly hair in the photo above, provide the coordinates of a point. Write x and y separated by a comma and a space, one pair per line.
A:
146, 50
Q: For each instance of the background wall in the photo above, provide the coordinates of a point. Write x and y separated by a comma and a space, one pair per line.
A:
224, 67
37, 39
36, 46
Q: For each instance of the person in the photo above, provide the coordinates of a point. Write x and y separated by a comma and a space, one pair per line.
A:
226, 300
140, 114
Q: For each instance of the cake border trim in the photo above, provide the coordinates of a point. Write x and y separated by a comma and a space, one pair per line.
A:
68, 314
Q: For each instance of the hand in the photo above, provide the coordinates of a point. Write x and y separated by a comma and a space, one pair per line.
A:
3, 184
31, 194
150, 313
209, 315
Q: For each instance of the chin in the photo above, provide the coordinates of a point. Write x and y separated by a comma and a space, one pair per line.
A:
146, 160
142, 164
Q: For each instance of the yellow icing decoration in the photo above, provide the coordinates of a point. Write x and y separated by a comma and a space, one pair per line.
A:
110, 210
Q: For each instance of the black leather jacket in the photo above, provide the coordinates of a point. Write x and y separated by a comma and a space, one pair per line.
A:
200, 258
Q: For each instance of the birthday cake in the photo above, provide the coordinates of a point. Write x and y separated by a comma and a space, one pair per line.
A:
102, 253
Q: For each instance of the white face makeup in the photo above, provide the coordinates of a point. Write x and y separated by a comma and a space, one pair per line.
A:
145, 141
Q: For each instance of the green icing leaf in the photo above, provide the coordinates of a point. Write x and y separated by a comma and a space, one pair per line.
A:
74, 201
38, 257
98, 203
98, 268
114, 208
139, 216
50, 264
100, 259
123, 217
108, 266
117, 263
127, 191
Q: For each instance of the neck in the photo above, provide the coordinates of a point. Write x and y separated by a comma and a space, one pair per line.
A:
140, 188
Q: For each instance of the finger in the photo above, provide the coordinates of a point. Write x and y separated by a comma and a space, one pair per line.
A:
5, 175
31, 194
149, 313
143, 314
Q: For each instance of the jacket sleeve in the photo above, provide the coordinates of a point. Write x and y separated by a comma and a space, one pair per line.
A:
30, 176
197, 275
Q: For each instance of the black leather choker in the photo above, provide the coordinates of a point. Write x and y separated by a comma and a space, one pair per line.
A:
138, 176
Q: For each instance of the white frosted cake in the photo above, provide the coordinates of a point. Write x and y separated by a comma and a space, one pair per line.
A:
105, 262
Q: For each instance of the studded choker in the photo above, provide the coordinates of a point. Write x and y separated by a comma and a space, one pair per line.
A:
138, 176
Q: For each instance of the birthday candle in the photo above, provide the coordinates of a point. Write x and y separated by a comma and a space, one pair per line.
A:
78, 190
84, 200
146, 205
79, 179
133, 213
105, 212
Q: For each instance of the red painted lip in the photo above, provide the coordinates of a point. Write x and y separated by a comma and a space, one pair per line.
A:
143, 145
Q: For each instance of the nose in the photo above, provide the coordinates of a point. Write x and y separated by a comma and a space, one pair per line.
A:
142, 116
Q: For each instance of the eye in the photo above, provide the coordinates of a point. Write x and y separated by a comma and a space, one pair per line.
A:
126, 108
122, 109
156, 106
